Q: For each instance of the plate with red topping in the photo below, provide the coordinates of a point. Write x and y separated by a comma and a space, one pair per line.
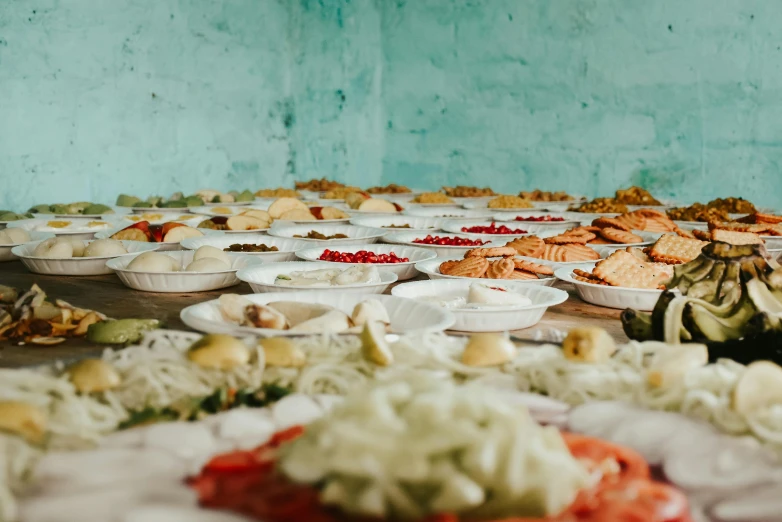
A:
168, 235
398, 259
388, 224
444, 245
495, 229
536, 217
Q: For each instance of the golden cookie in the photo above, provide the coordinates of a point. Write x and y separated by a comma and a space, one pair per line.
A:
607, 222
521, 275
589, 280
584, 273
565, 239
491, 252
620, 236
633, 220
535, 268
767, 218
470, 267
683, 233
736, 238
659, 224
675, 250
500, 269
530, 246
700, 234
554, 253
446, 266
579, 253
601, 241
624, 269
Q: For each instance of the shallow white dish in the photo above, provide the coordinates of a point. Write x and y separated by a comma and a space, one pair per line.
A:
406, 316
435, 206
261, 278
609, 296
480, 205
231, 204
417, 223
403, 271
190, 220
529, 229
209, 210
406, 238
179, 282
286, 247
78, 228
141, 210
510, 217
163, 245
118, 211
356, 235
4, 224
76, 266
448, 213
6, 251
355, 212
431, 269
490, 318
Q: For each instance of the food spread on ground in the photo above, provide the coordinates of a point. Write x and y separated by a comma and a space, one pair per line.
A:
432, 198
314, 234
362, 256
454, 241
244, 220
494, 263
355, 275
463, 191
543, 195
170, 232
251, 247
601, 206
391, 188
493, 229
509, 202
636, 196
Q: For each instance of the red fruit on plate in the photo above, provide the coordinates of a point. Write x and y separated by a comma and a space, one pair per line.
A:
171, 224
135, 232
157, 233
398, 207
317, 212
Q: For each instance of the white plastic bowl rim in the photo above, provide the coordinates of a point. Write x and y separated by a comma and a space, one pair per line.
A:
283, 244
415, 222
36, 225
184, 257
415, 254
565, 274
256, 275
134, 248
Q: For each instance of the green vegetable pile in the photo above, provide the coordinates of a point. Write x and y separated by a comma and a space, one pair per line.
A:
731, 299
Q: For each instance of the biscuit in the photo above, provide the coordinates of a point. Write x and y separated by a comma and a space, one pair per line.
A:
620, 236
623, 269
491, 252
683, 233
535, 268
652, 213
675, 250
701, 234
736, 238
738, 227
633, 220
767, 218
530, 246
583, 229
521, 275
585, 274
564, 239
579, 253
607, 222
774, 230
639, 253
589, 280
601, 241
470, 267
554, 253
500, 269
446, 266
659, 224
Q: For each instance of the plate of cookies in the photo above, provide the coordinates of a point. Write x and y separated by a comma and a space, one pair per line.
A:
539, 218
555, 250
497, 263
499, 231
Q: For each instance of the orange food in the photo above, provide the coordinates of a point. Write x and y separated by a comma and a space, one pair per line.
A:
246, 482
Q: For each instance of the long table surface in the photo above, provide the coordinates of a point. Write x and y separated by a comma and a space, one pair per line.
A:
108, 295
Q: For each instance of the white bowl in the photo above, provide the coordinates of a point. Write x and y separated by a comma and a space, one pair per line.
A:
406, 316
6, 251
406, 238
447, 213
554, 206
141, 210
179, 282
231, 204
417, 223
78, 228
76, 266
191, 220
609, 296
209, 210
403, 271
4, 224
529, 229
489, 319
569, 222
480, 205
261, 278
309, 194
432, 270
164, 246
286, 247
356, 235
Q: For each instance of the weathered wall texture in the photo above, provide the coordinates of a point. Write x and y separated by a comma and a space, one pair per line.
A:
681, 96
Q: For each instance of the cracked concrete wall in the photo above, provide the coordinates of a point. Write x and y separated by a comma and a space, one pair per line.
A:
101, 97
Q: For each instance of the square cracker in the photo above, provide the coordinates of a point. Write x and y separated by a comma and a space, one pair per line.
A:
624, 269
675, 250
735, 238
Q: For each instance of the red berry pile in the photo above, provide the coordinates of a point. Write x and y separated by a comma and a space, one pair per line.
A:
362, 256
449, 241
541, 218
493, 229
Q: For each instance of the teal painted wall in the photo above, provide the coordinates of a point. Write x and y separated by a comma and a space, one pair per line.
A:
101, 97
